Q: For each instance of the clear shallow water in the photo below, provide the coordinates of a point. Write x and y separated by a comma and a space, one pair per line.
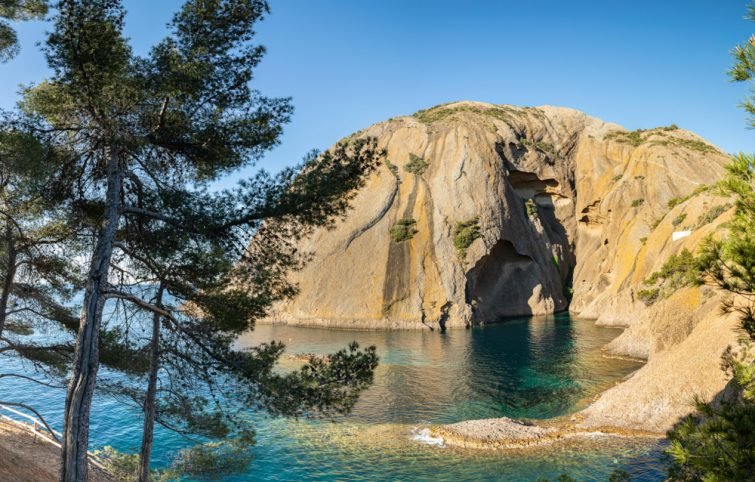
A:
537, 368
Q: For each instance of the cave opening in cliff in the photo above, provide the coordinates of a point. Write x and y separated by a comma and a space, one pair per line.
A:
501, 284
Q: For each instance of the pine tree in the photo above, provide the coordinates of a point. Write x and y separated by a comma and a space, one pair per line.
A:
138, 140
717, 443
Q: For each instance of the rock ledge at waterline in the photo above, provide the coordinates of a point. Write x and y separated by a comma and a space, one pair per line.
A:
566, 205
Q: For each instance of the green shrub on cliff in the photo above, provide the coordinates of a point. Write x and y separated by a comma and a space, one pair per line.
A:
659, 137
391, 167
538, 145
712, 215
531, 207
416, 165
465, 232
649, 296
680, 270
633, 138
403, 230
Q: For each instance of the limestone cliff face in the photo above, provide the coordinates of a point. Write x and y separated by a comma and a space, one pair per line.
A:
483, 212
566, 206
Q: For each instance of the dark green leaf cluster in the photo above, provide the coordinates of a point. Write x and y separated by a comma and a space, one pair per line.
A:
16, 10
325, 386
715, 444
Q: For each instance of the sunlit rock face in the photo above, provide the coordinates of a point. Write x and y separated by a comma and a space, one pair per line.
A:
564, 204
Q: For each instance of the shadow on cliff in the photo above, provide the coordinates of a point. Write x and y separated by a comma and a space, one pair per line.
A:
501, 283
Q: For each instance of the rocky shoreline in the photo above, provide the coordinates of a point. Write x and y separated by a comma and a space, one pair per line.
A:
506, 433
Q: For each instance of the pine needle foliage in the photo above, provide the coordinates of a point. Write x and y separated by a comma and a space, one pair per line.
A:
717, 441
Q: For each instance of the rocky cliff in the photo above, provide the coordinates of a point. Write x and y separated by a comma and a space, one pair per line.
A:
485, 211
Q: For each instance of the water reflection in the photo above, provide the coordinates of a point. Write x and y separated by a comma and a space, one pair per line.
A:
520, 368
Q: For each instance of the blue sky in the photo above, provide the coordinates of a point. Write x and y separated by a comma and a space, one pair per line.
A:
350, 63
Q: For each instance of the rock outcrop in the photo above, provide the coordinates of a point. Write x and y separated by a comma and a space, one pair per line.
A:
501, 211
483, 211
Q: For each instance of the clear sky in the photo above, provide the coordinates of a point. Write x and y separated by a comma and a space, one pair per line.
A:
350, 63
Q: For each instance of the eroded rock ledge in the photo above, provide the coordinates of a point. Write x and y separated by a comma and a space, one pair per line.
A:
506, 433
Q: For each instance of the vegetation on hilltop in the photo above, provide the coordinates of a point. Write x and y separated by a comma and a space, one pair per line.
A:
659, 137
439, 113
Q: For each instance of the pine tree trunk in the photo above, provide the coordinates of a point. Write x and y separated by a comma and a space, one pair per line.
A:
150, 405
10, 274
86, 358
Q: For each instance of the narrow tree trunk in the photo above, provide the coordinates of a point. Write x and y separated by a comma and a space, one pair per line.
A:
10, 274
86, 358
150, 406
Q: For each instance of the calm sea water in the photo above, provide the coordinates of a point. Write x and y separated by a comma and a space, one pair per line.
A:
526, 368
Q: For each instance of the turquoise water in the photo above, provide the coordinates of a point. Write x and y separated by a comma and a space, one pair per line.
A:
538, 368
